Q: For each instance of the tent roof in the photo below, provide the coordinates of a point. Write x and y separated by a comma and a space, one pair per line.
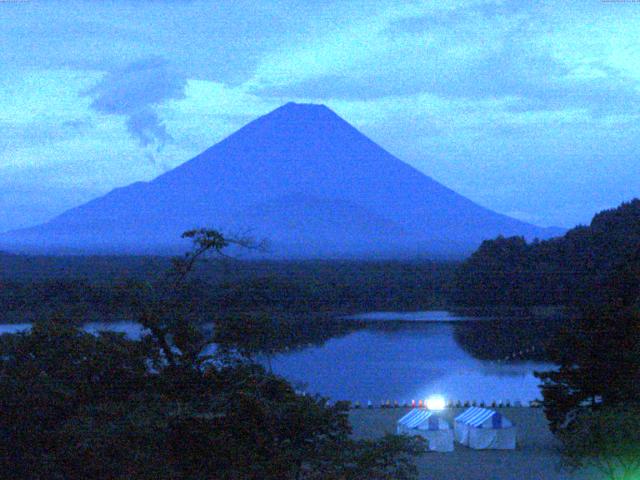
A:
476, 417
417, 418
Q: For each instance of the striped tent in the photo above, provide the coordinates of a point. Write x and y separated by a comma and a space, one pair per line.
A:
435, 430
481, 428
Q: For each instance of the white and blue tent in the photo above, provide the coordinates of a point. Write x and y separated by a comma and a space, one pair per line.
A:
481, 428
435, 430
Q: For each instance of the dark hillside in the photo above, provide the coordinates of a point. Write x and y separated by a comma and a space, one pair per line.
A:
590, 265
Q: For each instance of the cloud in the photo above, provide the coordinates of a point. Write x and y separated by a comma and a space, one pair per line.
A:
485, 11
134, 91
218, 41
490, 50
381, 58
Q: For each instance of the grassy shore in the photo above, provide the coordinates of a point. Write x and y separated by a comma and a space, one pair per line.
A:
535, 458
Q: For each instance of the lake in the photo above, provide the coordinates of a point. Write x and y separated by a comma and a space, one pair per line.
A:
408, 360
399, 356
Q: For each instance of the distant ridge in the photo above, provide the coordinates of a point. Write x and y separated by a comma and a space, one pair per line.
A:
301, 177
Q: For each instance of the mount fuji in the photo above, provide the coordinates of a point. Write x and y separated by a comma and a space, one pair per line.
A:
300, 177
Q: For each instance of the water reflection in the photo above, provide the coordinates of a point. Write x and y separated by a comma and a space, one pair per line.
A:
14, 328
420, 316
131, 330
407, 360
508, 338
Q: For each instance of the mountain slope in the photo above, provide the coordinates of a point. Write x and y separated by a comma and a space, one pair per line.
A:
300, 176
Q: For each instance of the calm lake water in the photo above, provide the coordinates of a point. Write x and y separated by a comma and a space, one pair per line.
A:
398, 356
404, 361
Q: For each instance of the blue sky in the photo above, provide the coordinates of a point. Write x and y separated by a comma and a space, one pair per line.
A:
529, 108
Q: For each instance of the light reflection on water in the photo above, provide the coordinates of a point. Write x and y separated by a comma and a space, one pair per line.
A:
404, 364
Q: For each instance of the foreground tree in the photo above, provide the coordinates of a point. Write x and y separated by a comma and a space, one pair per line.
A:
598, 361
76, 405
607, 439
47, 377
389, 458
592, 401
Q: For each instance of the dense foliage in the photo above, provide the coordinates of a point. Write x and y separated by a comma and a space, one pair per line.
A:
599, 365
590, 266
82, 406
607, 439
88, 287
76, 405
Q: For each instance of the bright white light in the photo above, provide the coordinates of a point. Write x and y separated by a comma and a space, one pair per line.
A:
435, 403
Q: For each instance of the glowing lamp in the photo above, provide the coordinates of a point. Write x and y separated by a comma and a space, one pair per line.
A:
435, 403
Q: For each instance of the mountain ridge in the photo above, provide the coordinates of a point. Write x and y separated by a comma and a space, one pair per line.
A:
276, 163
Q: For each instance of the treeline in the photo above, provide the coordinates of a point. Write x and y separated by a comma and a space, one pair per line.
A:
340, 286
589, 266
91, 287
93, 268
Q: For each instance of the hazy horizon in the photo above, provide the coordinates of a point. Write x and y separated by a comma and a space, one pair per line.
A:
529, 110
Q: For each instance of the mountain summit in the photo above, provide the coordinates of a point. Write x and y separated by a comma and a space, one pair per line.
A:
301, 177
